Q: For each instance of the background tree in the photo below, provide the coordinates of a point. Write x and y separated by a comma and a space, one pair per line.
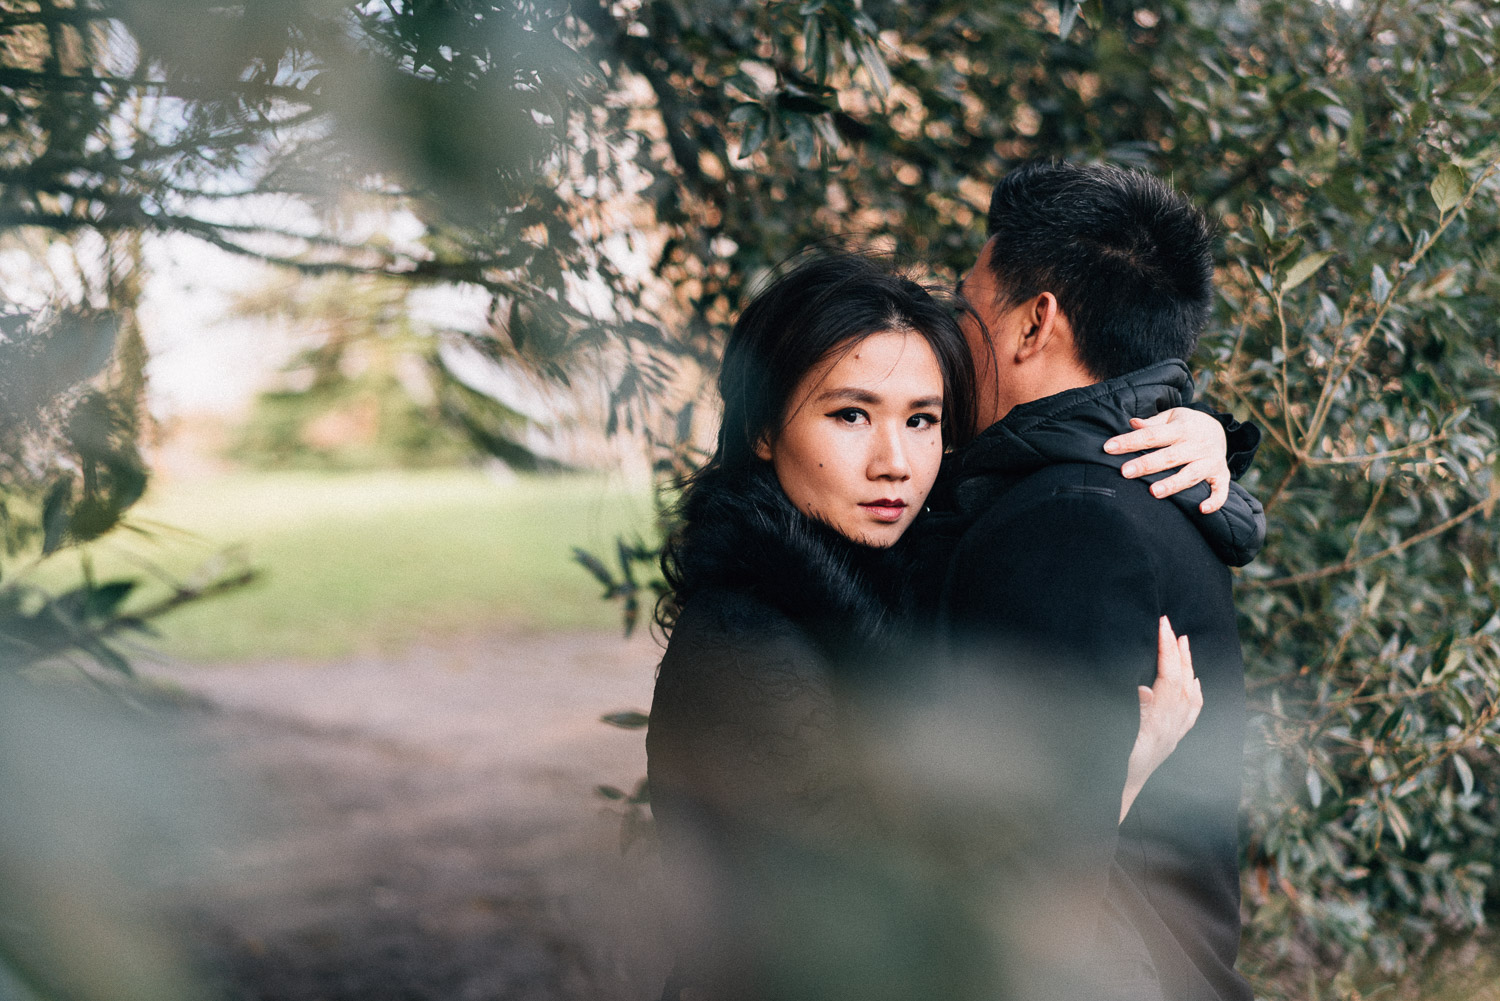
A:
372, 387
124, 121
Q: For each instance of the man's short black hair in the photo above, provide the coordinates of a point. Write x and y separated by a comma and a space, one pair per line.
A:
1128, 258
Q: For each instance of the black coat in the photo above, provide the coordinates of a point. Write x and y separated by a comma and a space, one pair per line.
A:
1060, 571
789, 885
742, 719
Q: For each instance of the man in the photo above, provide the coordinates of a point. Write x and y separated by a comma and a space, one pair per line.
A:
1089, 294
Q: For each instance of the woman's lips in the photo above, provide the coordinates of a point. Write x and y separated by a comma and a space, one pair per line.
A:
886, 509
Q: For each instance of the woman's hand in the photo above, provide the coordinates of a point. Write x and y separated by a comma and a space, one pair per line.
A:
1179, 437
1169, 709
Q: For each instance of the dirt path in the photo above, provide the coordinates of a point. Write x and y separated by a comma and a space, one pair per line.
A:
424, 826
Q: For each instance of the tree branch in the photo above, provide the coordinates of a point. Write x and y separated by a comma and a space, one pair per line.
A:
1326, 396
1402, 546
1365, 458
55, 81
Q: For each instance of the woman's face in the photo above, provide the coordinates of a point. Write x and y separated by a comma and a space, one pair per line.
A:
860, 445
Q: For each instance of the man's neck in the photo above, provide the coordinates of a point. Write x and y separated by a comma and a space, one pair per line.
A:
1052, 384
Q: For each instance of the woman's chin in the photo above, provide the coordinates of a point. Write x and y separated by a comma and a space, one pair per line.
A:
878, 536
877, 533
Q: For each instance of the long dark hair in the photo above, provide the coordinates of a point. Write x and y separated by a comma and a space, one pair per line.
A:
822, 302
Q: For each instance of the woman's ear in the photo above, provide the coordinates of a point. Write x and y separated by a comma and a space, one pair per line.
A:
763, 448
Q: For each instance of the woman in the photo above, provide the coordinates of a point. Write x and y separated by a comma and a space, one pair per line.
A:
843, 384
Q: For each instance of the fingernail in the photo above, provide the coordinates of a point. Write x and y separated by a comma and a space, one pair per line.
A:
1110, 446
1129, 469
1156, 489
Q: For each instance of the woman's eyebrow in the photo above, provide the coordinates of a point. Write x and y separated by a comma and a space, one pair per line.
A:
854, 394
851, 393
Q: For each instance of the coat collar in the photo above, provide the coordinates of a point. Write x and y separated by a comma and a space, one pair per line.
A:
1072, 426
740, 532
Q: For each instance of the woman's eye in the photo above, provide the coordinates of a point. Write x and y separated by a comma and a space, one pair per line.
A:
923, 421
850, 415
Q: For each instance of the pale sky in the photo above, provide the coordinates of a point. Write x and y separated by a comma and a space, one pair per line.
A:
202, 359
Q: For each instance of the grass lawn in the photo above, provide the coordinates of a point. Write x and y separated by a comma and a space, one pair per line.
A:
372, 560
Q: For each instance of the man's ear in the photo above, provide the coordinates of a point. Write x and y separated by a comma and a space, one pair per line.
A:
1043, 322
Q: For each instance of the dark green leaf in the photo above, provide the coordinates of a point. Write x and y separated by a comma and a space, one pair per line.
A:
800, 131
628, 719
874, 63
55, 513
1304, 269
757, 130
105, 599
595, 566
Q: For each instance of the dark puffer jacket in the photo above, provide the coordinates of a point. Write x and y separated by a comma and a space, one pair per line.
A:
1057, 577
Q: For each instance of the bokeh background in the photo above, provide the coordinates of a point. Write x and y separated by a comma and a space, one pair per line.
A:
348, 351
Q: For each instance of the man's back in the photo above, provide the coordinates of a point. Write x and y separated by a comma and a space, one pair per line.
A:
1057, 585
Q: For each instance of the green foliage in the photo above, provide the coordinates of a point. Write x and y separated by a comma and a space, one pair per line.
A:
1359, 330
69, 473
1349, 151
121, 118
626, 587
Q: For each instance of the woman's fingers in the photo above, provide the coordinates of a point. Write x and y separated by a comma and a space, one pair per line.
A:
1174, 663
1193, 685
1215, 474
1184, 440
1143, 437
1169, 660
1170, 708
1203, 434
1218, 491
1161, 459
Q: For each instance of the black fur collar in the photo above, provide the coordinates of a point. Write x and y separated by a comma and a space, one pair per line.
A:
741, 533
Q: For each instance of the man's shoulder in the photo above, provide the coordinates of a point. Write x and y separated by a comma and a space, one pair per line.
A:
1067, 509
1070, 491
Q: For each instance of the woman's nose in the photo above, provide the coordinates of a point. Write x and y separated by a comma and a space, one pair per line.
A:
888, 461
